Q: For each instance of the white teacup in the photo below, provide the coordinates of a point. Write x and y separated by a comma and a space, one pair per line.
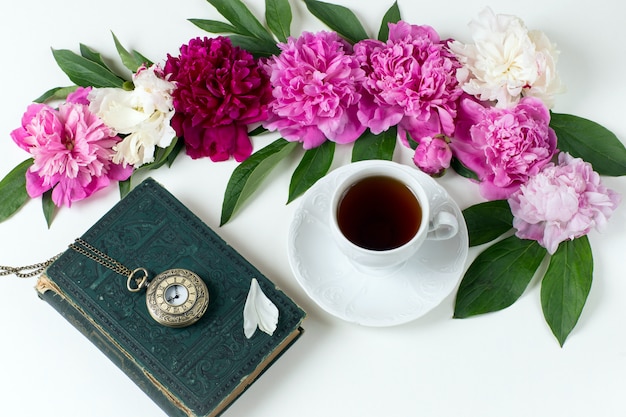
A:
381, 215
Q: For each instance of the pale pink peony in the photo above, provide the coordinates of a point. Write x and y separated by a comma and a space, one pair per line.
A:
433, 155
315, 82
410, 80
71, 150
507, 61
504, 147
562, 202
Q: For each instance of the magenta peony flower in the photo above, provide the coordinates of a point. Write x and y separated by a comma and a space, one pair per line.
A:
220, 89
504, 147
410, 80
72, 152
315, 80
562, 202
433, 155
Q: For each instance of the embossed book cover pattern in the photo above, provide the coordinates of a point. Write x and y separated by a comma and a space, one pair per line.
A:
202, 363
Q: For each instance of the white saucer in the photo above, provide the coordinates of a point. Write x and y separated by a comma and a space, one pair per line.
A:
333, 282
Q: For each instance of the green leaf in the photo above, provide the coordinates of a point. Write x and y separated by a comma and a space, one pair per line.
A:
241, 18
487, 221
49, 209
125, 186
392, 16
249, 174
131, 60
141, 58
413, 144
92, 56
214, 26
13, 190
278, 17
84, 72
171, 157
161, 156
258, 131
462, 170
257, 47
590, 141
498, 276
58, 93
371, 146
314, 165
566, 285
339, 18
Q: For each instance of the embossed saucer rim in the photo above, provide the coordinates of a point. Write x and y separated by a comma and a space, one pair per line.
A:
335, 285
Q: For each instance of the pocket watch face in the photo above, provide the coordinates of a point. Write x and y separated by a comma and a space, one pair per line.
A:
176, 294
177, 298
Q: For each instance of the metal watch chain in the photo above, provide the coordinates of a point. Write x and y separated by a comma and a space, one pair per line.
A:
136, 279
28, 270
174, 298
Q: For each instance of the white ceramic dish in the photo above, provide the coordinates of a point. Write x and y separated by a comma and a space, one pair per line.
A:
400, 296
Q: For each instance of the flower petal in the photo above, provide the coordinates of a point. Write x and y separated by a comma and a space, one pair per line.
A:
259, 311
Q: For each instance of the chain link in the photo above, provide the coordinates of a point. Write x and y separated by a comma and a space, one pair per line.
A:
79, 246
20, 271
100, 257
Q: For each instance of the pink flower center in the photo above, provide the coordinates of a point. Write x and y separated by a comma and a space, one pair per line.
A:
68, 142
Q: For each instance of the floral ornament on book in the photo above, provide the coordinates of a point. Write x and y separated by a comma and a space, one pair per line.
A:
481, 108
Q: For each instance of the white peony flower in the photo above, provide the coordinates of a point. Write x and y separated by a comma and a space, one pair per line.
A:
548, 84
506, 61
143, 114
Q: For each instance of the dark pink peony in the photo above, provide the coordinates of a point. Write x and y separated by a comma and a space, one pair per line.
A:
220, 89
504, 147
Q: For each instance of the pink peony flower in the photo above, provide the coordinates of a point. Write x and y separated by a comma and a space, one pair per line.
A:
79, 96
433, 155
315, 80
71, 149
562, 202
220, 89
504, 147
410, 80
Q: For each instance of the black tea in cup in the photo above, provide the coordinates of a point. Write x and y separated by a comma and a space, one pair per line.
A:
379, 213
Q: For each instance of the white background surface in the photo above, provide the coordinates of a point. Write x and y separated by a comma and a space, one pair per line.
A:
502, 364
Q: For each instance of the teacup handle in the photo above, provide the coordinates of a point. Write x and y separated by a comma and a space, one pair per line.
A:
444, 225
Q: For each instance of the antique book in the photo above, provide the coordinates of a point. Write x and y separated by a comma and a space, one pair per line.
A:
198, 370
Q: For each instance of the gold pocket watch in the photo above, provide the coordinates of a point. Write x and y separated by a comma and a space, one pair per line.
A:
174, 298
177, 298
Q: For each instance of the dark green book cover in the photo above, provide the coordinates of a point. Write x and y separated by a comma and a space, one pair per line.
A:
192, 371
